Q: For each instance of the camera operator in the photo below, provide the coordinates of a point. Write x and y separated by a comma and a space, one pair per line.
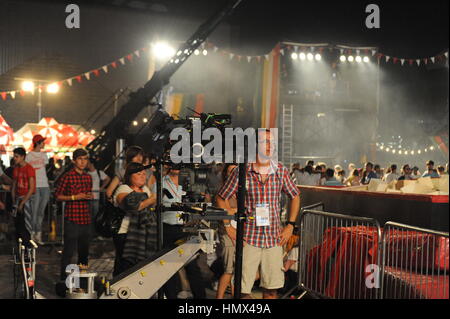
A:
134, 197
263, 235
173, 231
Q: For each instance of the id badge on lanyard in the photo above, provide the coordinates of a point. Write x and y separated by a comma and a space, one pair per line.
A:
262, 215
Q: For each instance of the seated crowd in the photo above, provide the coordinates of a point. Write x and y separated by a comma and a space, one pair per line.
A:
321, 175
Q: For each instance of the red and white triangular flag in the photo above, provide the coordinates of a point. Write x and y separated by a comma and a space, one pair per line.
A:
87, 75
418, 62
403, 61
432, 59
267, 57
387, 58
69, 81
282, 52
105, 68
446, 54
231, 56
13, 94
122, 60
137, 53
373, 52
342, 51
249, 58
3, 94
425, 61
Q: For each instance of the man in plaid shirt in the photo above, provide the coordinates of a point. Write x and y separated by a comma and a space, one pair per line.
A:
75, 189
263, 234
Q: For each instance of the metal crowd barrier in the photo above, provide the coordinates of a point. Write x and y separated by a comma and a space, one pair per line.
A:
415, 263
53, 210
339, 255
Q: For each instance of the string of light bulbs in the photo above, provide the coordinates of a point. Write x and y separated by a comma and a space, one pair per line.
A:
403, 151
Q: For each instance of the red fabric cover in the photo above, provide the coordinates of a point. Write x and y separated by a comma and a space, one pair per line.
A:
340, 272
401, 284
334, 270
416, 250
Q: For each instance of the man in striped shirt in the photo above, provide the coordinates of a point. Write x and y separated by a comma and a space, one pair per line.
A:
75, 188
263, 234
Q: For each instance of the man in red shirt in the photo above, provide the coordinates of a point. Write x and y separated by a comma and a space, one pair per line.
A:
75, 188
264, 235
24, 186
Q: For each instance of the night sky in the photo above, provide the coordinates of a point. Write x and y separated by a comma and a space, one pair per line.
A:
408, 28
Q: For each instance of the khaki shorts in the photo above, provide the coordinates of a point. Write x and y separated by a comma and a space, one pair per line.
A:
271, 262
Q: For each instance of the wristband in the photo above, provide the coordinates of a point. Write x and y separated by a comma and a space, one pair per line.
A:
73, 197
292, 223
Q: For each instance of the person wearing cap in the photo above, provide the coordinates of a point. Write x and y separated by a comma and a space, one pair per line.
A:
75, 188
39, 201
430, 171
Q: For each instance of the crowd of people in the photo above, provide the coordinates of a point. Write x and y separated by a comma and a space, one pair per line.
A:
321, 175
132, 189
270, 250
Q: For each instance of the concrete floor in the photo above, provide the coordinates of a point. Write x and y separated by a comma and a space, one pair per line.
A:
48, 267
48, 259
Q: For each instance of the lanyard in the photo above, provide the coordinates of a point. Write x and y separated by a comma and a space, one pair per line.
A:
262, 186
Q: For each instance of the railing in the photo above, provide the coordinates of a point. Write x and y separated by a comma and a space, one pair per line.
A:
347, 257
53, 209
415, 263
336, 251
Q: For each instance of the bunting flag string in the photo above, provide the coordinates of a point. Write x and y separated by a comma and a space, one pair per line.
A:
418, 62
284, 49
85, 75
289, 48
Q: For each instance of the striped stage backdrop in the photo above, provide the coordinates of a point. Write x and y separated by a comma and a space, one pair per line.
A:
173, 104
176, 102
270, 89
